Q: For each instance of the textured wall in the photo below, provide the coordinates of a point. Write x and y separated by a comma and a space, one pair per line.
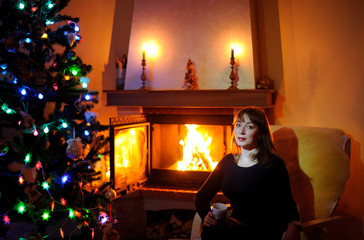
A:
200, 30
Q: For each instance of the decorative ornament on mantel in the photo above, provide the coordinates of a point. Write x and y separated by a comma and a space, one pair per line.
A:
234, 84
263, 82
190, 82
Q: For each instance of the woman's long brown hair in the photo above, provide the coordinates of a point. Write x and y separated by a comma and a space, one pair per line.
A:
265, 142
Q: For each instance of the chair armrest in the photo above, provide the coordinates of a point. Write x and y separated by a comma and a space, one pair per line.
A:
318, 223
196, 227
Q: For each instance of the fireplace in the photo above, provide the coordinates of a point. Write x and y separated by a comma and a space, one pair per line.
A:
173, 142
167, 149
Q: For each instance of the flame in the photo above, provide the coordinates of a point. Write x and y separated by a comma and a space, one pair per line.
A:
125, 144
196, 151
130, 154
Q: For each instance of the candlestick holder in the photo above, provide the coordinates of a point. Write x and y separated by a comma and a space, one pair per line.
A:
144, 76
233, 85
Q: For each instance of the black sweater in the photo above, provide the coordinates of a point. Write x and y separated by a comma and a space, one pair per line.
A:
259, 196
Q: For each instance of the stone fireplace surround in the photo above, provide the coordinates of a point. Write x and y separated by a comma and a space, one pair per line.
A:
135, 201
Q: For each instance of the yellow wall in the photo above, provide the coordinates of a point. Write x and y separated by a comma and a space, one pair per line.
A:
322, 84
313, 50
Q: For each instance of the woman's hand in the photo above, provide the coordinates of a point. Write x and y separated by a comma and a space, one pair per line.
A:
292, 233
209, 220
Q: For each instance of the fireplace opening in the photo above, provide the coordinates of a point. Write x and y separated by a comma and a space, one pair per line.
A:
167, 150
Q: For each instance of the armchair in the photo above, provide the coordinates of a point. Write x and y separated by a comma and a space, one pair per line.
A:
318, 163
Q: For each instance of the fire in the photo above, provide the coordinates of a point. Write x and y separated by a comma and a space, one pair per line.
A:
130, 155
125, 144
196, 151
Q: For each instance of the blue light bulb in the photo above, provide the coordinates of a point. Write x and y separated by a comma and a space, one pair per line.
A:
23, 92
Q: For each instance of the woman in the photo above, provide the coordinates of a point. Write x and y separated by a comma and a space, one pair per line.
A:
256, 182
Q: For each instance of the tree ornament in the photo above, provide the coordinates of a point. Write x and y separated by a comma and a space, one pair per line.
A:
35, 197
27, 123
111, 234
71, 38
11, 44
71, 55
74, 149
48, 55
38, 28
4, 149
90, 117
103, 218
111, 194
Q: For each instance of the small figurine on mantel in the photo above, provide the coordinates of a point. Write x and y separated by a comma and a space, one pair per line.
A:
120, 72
263, 83
190, 82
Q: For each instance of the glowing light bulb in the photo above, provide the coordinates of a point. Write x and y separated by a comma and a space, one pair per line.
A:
84, 85
21, 180
46, 129
64, 125
21, 208
21, 6
45, 215
87, 97
71, 213
86, 132
45, 186
40, 96
38, 165
50, 5
64, 179
27, 158
35, 133
23, 92
28, 40
6, 219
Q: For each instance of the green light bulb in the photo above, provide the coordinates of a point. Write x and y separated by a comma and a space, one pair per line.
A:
45, 185
71, 213
21, 208
45, 215
27, 158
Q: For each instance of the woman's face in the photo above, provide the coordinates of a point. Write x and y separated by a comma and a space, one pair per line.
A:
246, 133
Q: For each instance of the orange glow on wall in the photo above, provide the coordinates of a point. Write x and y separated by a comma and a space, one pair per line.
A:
150, 50
238, 49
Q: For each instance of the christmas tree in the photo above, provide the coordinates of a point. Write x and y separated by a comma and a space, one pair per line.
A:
50, 140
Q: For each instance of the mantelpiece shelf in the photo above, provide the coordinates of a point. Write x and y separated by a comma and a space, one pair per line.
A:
191, 98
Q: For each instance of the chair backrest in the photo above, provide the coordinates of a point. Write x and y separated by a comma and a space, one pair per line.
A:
318, 162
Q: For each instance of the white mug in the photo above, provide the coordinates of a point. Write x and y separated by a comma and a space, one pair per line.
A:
219, 210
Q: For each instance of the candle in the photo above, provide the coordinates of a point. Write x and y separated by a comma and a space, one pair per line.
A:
232, 50
143, 54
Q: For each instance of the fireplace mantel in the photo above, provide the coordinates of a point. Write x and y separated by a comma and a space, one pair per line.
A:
191, 98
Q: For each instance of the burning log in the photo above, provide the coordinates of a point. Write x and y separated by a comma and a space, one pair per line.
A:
204, 160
